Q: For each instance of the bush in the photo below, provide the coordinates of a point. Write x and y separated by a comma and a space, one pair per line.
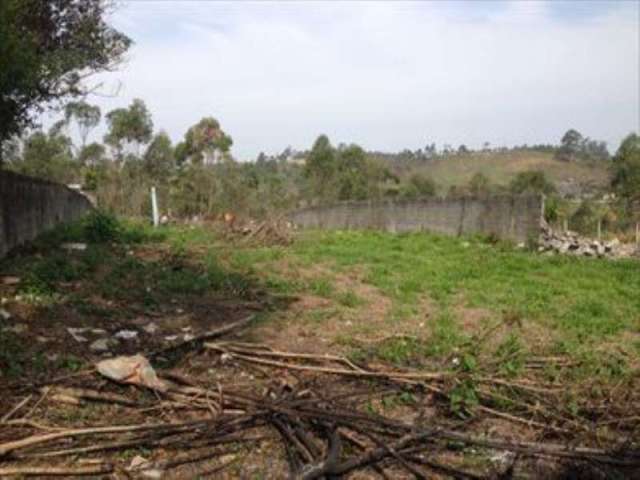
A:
419, 186
100, 227
532, 182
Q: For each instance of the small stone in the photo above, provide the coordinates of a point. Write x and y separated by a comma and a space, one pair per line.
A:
225, 358
41, 339
5, 315
52, 357
171, 338
81, 247
150, 328
137, 462
126, 334
98, 331
188, 337
100, 345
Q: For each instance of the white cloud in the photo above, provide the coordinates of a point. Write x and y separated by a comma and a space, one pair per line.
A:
386, 75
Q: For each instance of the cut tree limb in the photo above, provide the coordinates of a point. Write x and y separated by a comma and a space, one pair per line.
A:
197, 341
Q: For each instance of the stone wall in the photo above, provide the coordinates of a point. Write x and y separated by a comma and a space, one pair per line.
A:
509, 217
30, 206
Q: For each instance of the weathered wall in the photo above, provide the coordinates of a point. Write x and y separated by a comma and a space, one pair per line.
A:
29, 206
509, 217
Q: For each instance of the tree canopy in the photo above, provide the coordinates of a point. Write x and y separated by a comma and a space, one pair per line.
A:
131, 125
205, 141
86, 116
47, 49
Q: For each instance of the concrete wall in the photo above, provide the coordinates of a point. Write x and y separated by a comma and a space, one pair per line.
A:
29, 206
509, 217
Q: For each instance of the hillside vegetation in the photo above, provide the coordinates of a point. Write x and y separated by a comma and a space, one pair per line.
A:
501, 167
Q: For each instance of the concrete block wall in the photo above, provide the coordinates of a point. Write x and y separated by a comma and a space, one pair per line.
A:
30, 206
508, 217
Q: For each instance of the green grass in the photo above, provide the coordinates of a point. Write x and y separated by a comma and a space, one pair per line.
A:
588, 297
544, 305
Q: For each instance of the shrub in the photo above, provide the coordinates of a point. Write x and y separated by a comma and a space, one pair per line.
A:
532, 182
100, 227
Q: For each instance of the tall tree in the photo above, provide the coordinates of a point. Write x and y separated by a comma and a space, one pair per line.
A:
87, 117
47, 49
129, 126
159, 158
320, 167
570, 145
205, 142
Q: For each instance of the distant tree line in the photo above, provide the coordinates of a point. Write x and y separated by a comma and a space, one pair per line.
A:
198, 175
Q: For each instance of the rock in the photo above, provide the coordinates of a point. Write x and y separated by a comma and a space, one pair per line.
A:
99, 346
150, 328
126, 334
613, 243
81, 247
10, 280
138, 463
5, 315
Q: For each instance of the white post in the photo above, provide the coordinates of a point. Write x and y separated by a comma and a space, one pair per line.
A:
154, 207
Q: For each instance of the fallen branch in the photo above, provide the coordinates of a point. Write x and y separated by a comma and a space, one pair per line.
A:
55, 471
11, 412
197, 341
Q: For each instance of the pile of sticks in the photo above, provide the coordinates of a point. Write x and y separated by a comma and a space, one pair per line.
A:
324, 431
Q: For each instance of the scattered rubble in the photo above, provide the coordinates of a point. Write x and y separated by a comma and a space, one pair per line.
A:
570, 243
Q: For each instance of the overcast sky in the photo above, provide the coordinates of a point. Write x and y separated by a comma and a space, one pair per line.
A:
386, 75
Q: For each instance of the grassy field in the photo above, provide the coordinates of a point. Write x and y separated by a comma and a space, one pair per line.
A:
500, 168
445, 294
